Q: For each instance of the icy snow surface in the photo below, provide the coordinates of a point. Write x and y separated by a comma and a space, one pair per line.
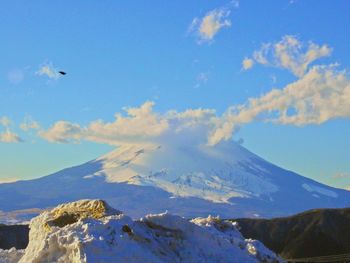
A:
10, 255
186, 171
319, 190
90, 231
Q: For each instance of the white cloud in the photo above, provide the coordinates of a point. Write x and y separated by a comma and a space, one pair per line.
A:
289, 53
140, 125
29, 124
62, 132
201, 79
47, 69
207, 27
8, 180
10, 137
5, 121
247, 63
341, 176
320, 93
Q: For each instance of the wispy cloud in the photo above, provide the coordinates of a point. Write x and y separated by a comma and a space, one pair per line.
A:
288, 53
10, 137
341, 176
247, 63
319, 94
5, 121
323, 93
48, 70
29, 124
63, 132
205, 28
139, 125
201, 79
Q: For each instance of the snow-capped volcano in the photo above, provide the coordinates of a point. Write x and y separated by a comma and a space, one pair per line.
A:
215, 174
185, 179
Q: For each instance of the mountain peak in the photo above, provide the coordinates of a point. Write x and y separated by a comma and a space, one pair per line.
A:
184, 178
214, 173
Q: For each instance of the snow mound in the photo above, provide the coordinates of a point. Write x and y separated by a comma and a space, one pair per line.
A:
11, 255
91, 231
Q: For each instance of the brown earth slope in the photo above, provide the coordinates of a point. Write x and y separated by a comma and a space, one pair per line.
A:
318, 232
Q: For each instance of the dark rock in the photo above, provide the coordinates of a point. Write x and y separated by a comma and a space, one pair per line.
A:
14, 236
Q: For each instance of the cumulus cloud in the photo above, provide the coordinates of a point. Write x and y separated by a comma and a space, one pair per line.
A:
10, 137
205, 28
47, 69
29, 124
5, 121
323, 93
341, 176
247, 63
319, 94
288, 53
139, 125
62, 132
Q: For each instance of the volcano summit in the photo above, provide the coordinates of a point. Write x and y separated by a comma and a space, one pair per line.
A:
188, 180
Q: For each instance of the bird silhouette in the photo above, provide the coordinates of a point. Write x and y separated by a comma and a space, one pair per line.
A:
62, 72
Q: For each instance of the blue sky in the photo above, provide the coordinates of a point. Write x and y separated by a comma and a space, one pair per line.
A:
124, 53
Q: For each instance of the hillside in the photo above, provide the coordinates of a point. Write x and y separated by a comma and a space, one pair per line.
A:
319, 232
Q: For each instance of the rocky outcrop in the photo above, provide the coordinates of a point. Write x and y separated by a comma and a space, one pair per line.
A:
92, 231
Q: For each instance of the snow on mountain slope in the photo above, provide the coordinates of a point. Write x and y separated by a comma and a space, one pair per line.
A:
203, 172
91, 231
185, 179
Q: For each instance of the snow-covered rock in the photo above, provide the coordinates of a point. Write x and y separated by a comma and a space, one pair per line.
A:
11, 255
91, 231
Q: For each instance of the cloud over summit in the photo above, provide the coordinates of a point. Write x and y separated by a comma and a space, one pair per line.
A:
138, 125
319, 93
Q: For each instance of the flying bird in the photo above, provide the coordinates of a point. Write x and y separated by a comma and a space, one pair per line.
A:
62, 72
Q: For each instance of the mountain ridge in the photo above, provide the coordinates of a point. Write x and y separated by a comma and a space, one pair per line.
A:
226, 180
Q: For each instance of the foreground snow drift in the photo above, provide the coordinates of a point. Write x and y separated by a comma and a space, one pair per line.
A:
10, 255
91, 231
